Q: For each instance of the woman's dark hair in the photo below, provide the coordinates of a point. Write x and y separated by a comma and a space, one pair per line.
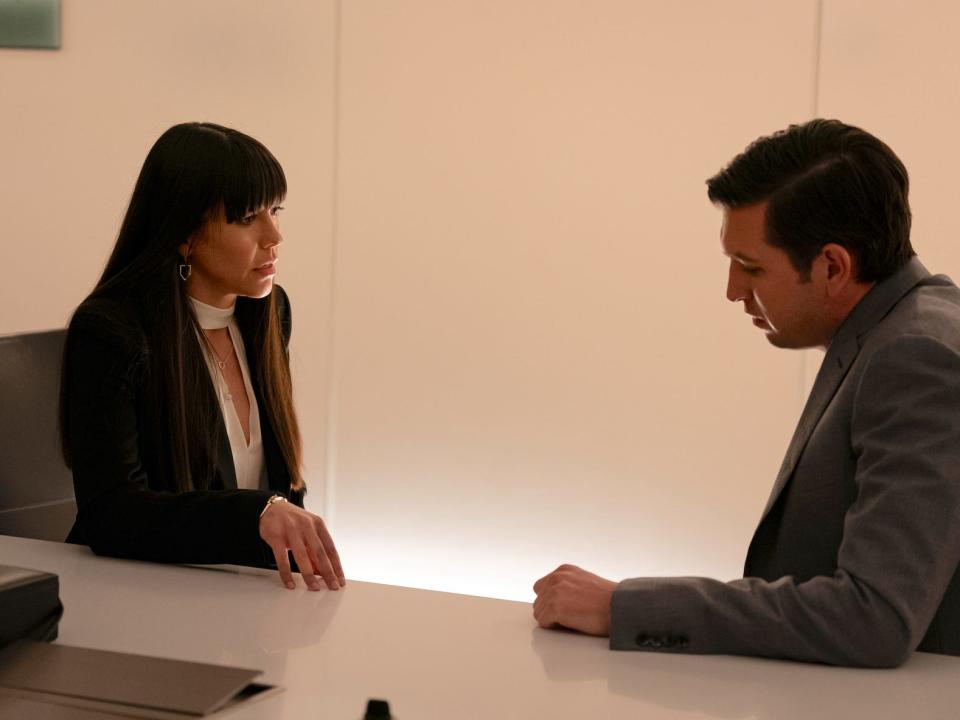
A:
191, 172
825, 182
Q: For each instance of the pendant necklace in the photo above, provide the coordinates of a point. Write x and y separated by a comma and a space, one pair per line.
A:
221, 362
214, 318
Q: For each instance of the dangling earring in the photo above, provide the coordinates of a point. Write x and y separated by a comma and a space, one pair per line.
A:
184, 271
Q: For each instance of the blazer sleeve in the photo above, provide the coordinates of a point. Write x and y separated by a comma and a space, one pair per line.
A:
900, 545
120, 511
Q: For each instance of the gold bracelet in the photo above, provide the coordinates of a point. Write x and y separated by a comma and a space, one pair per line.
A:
271, 501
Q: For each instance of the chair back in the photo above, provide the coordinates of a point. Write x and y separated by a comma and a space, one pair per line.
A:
36, 488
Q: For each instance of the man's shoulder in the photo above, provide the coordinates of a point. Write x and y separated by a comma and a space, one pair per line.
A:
919, 337
930, 309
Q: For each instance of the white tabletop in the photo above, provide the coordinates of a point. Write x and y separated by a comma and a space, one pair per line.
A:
437, 655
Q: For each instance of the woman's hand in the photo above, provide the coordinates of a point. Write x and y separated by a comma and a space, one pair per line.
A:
284, 526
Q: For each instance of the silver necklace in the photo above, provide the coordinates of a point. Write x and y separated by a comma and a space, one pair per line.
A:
221, 361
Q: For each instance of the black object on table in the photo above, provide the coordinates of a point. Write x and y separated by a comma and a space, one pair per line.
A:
377, 710
30, 605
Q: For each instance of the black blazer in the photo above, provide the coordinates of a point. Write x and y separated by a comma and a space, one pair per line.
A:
127, 503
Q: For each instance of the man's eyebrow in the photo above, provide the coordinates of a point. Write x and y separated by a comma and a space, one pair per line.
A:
742, 258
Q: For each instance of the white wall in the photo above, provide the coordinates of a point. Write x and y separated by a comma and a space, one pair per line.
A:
535, 362
892, 67
501, 206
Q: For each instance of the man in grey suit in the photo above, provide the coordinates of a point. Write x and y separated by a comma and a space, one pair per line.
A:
855, 559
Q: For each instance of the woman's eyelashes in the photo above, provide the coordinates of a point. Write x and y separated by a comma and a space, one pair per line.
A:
250, 217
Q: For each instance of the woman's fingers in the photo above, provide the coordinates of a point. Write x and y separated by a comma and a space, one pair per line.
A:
283, 564
330, 549
288, 527
321, 564
302, 557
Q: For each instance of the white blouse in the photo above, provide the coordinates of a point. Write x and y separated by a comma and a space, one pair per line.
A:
247, 458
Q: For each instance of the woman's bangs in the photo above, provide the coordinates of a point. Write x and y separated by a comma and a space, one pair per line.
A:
254, 181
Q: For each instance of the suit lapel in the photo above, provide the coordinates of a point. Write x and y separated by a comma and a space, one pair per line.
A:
276, 470
839, 358
225, 472
224, 455
278, 477
833, 369
225, 467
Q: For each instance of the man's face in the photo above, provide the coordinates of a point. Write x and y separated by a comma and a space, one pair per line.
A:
790, 310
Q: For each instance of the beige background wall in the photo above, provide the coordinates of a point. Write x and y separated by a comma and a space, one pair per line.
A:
894, 67
535, 362
498, 231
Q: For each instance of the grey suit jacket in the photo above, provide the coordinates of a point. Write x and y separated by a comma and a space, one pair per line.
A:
855, 559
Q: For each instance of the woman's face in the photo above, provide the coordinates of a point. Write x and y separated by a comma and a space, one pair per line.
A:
231, 259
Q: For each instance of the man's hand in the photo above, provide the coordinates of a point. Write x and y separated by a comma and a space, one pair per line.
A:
573, 598
284, 526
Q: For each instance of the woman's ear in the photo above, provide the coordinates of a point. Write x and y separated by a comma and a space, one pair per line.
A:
186, 248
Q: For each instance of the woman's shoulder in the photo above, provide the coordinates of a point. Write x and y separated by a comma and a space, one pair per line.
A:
250, 311
283, 302
285, 313
110, 319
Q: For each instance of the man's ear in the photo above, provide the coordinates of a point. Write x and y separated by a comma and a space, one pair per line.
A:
838, 266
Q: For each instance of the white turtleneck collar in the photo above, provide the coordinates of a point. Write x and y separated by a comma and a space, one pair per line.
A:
210, 317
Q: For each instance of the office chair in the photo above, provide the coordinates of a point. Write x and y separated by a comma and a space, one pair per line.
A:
36, 488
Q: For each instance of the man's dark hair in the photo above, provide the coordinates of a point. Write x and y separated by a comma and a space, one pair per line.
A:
825, 182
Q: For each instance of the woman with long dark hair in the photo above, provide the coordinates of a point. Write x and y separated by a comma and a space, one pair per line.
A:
177, 414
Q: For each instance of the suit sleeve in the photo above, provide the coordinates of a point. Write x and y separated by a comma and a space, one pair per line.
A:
120, 511
900, 546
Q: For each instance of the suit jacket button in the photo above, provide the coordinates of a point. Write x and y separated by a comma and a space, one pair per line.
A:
657, 642
642, 640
